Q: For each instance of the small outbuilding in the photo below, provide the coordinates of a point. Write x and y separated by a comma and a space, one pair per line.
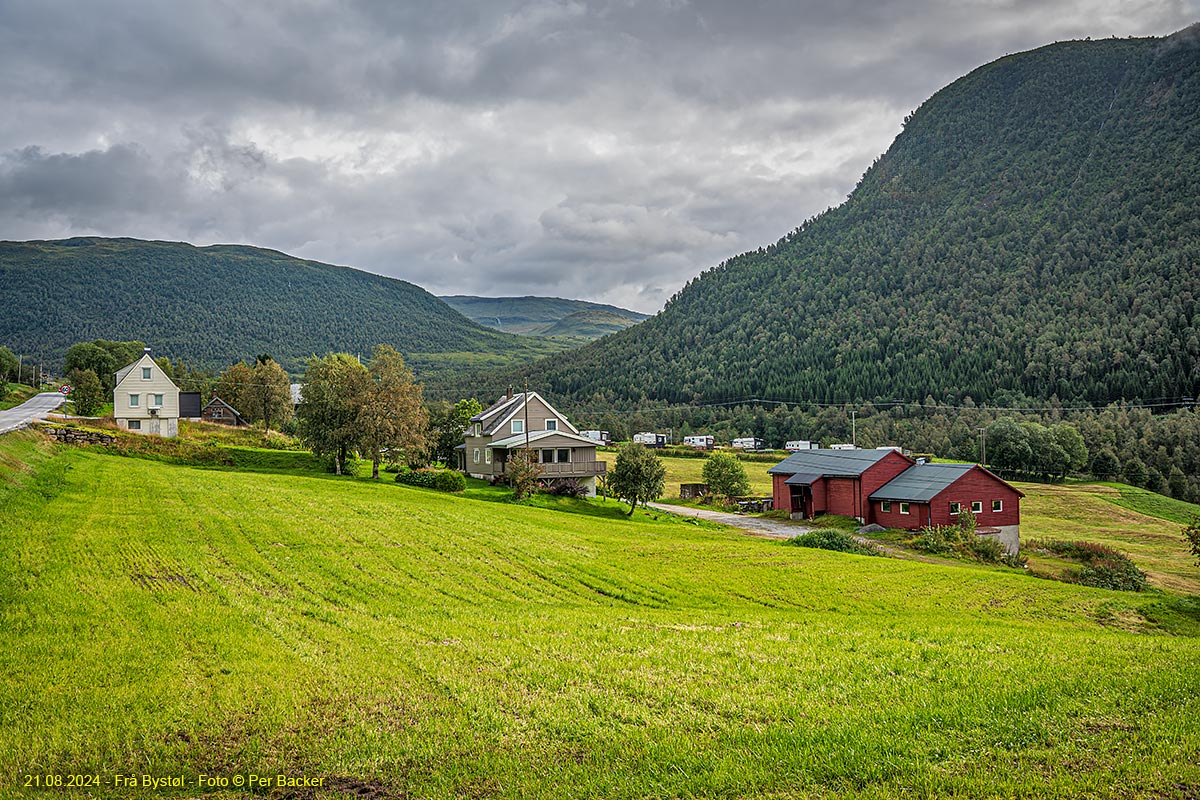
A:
220, 412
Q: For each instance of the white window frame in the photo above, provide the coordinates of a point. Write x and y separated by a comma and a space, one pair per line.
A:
904, 508
517, 426
135, 424
885, 506
975, 503
997, 506
478, 428
146, 374
476, 455
156, 401
551, 424
570, 455
487, 455
542, 455
134, 400
955, 509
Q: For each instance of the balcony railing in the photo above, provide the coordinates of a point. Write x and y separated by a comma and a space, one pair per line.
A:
574, 469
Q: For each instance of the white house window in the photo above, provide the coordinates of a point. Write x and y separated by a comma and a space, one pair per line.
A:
145, 373
135, 424
551, 424
133, 401
547, 456
478, 428
518, 426
156, 400
997, 506
955, 508
977, 507
476, 455
885, 506
904, 508
487, 455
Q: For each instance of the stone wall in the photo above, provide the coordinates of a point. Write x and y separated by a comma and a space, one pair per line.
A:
76, 436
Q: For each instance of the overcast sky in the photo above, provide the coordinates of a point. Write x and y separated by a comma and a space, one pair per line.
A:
600, 150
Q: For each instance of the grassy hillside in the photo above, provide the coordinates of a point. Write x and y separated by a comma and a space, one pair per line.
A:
1032, 231
545, 316
216, 305
398, 642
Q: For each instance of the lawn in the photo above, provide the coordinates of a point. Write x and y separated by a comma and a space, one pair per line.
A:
167, 620
17, 393
688, 470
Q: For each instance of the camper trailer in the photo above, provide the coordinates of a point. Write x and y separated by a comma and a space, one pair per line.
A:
748, 443
650, 439
699, 442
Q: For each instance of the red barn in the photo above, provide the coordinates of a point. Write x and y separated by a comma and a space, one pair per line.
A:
890, 489
812, 482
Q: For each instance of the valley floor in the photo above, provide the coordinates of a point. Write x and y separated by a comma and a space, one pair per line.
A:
396, 642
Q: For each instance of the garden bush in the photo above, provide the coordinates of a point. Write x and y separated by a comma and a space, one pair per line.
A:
831, 539
1100, 566
442, 480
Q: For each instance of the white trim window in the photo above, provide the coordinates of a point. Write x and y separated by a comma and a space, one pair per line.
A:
885, 506
997, 506
518, 426
145, 373
976, 506
134, 400
156, 401
135, 424
476, 455
904, 508
479, 429
551, 424
955, 509
487, 455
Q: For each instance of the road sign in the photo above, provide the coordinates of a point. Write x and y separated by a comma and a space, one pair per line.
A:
65, 388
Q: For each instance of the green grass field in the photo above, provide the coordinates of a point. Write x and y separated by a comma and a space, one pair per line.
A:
163, 619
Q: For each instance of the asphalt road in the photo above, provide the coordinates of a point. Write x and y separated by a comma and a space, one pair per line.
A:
36, 407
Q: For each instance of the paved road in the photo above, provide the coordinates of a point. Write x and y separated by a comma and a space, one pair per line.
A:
770, 528
36, 407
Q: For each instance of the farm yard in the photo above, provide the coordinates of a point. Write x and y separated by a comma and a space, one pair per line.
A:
170, 620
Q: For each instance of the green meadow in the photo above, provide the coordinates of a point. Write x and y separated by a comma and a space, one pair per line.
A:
170, 620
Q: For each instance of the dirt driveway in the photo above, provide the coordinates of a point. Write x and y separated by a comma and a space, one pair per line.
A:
770, 528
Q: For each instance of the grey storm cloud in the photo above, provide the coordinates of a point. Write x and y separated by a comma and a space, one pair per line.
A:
601, 150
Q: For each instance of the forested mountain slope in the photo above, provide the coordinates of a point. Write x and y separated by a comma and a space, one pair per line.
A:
544, 316
215, 305
1034, 230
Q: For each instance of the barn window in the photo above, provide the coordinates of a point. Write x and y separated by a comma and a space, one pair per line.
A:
997, 506
904, 508
976, 506
886, 505
955, 508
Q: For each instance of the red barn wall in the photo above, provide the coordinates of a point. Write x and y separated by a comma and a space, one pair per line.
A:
781, 492
877, 476
917, 516
982, 486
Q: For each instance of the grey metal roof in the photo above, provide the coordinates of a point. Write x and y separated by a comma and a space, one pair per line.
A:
497, 411
921, 483
802, 479
829, 462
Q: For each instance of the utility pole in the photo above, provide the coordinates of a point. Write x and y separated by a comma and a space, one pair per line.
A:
526, 426
854, 428
20, 359
982, 446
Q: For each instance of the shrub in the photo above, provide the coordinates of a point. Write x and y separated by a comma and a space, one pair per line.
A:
447, 480
566, 487
986, 549
442, 480
831, 539
941, 539
1101, 566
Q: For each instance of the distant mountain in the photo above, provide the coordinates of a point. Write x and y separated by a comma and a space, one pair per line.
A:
545, 316
215, 305
1034, 231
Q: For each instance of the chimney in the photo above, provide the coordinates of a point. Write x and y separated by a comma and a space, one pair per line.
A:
510, 395
146, 350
